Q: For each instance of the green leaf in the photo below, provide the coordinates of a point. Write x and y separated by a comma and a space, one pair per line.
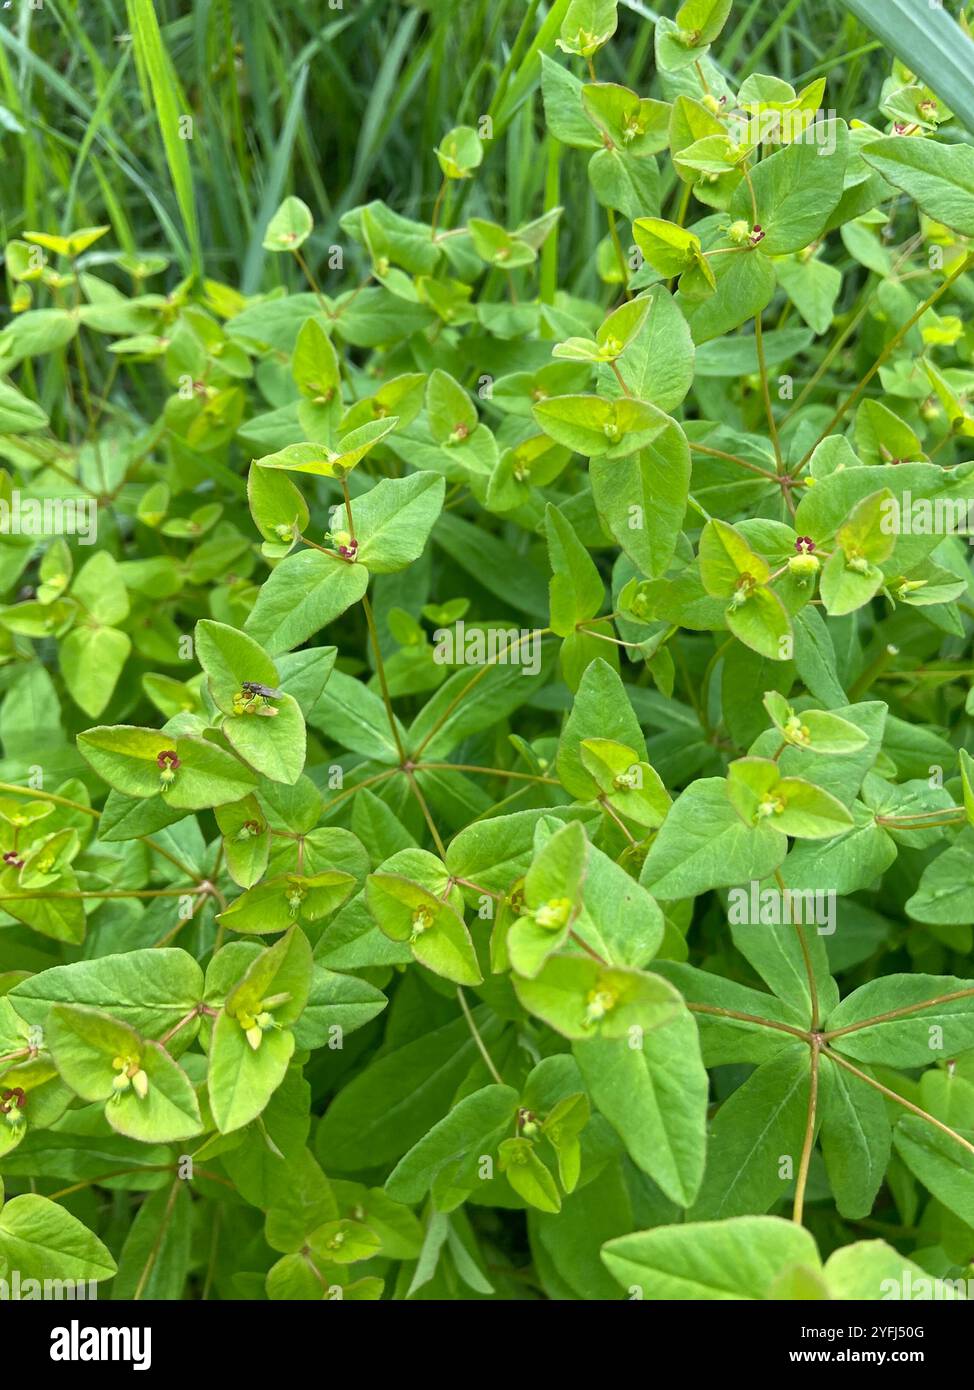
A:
163, 97
736, 1259
642, 498
920, 1034
587, 26
813, 287
350, 714
523, 661
43, 1241
592, 426
702, 20
277, 903
36, 332
290, 226
871, 1270
324, 462
19, 414
931, 44
621, 181
583, 999
855, 1140
939, 177
528, 1175
778, 952
337, 1005
460, 152
251, 1044
550, 899
724, 1038
796, 189
471, 1129
92, 660
305, 593
762, 1123
157, 1105
601, 709
704, 844
149, 989
157, 1255
565, 117
397, 1099
229, 658
942, 1165
240, 1080
745, 286
435, 932
576, 589
653, 1090
139, 762
816, 730
943, 895
393, 520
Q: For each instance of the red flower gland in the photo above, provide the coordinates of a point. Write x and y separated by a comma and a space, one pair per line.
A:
16, 1096
167, 761
757, 234
349, 551
13, 859
804, 545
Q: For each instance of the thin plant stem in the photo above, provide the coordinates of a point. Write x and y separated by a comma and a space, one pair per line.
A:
620, 254
897, 1013
475, 1034
621, 380
611, 813
474, 680
316, 288
806, 1158
366, 782
809, 970
772, 1023
733, 458
888, 351
901, 1100
427, 816
381, 673
766, 392
490, 772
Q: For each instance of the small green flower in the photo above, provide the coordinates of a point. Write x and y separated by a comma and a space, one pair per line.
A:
599, 1002
554, 913
422, 921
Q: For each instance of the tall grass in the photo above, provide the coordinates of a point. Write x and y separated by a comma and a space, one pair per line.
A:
339, 101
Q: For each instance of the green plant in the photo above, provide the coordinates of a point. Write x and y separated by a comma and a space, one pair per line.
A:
528, 714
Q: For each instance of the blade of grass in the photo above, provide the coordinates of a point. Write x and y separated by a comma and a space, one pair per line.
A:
930, 42
274, 187
170, 104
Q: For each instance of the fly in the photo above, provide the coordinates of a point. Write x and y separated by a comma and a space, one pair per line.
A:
266, 692
253, 698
